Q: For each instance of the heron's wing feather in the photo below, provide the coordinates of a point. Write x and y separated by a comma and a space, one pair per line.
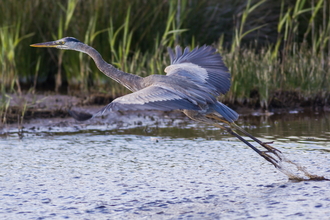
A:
151, 98
80, 116
201, 65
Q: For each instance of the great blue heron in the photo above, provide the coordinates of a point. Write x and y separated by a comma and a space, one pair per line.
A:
193, 81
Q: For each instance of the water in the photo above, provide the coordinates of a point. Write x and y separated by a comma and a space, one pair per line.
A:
136, 167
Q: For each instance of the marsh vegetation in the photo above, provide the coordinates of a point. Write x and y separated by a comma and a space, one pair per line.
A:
277, 51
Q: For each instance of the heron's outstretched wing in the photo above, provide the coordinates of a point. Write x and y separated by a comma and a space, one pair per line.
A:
201, 65
150, 98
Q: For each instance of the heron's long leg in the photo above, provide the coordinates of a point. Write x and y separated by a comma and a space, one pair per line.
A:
265, 145
202, 118
261, 153
217, 118
233, 125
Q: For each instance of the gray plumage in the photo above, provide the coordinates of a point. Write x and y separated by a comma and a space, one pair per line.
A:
217, 76
191, 84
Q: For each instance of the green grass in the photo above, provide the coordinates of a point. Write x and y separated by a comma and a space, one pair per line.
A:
267, 45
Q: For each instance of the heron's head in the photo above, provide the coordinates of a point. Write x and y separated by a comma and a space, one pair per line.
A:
66, 43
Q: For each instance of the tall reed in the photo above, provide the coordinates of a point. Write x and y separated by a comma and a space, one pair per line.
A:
273, 45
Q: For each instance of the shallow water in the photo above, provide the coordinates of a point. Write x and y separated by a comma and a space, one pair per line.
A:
163, 168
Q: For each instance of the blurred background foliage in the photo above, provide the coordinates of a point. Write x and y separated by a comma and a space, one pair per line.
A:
268, 45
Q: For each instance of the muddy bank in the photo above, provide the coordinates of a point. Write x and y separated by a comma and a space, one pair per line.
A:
29, 106
282, 101
41, 106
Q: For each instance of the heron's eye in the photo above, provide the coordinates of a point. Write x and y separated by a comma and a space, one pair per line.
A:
62, 42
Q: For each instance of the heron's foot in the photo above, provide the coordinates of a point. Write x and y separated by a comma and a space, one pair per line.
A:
272, 154
271, 149
271, 158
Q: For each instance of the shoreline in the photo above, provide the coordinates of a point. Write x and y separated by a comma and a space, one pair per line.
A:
18, 109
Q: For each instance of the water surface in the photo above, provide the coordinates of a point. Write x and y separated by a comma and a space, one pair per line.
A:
143, 167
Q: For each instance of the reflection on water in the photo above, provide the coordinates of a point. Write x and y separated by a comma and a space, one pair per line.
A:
307, 127
163, 169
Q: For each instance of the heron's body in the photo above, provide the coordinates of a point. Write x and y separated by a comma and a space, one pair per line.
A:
191, 84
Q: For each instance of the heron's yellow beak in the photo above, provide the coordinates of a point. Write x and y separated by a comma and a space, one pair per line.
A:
48, 44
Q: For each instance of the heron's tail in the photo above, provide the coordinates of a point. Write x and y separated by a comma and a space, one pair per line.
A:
226, 112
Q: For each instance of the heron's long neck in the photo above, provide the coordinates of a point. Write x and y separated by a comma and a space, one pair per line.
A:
130, 81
